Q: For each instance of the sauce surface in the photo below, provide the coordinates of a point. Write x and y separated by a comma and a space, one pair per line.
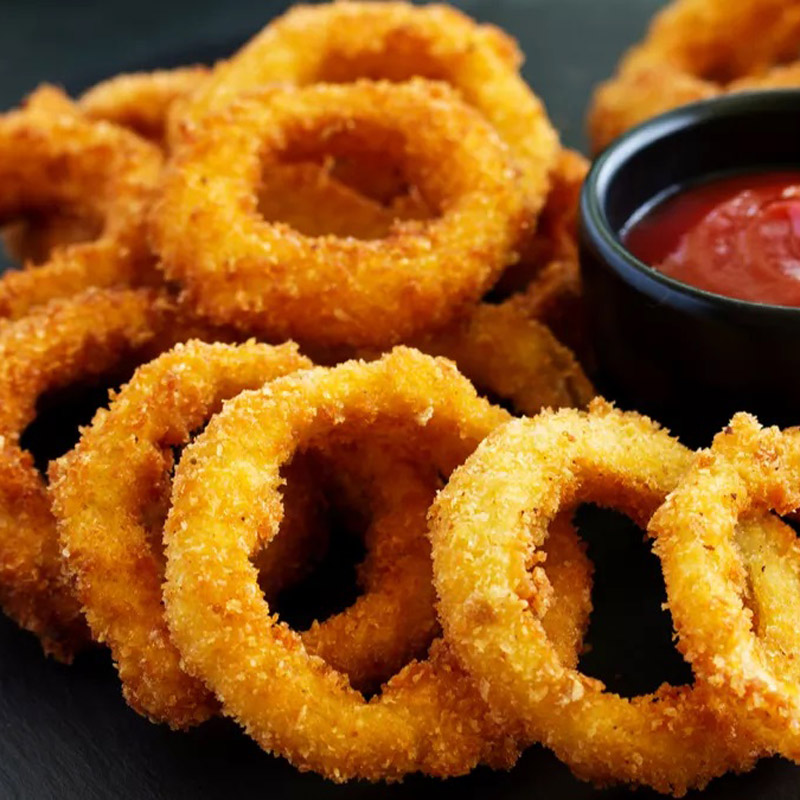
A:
738, 236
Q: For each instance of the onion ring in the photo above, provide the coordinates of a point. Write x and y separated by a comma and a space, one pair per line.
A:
749, 469
141, 101
54, 346
693, 51
428, 717
485, 526
264, 277
96, 169
101, 512
505, 351
342, 42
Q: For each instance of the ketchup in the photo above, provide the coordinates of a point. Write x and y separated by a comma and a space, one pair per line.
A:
737, 236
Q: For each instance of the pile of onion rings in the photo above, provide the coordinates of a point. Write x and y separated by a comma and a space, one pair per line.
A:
375, 182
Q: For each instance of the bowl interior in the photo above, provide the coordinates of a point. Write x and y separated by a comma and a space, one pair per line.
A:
733, 133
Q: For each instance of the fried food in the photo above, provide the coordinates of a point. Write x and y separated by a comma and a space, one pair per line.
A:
486, 527
107, 178
506, 352
96, 170
238, 269
394, 41
692, 51
546, 284
734, 595
141, 101
103, 490
427, 717
65, 342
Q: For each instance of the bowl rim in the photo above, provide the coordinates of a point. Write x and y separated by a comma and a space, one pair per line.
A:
596, 228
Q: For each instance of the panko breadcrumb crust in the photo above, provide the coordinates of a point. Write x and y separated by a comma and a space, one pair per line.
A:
486, 526
266, 277
429, 717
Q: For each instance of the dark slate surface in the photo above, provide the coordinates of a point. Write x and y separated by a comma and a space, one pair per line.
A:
65, 732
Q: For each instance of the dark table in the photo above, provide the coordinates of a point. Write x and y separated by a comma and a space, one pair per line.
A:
65, 732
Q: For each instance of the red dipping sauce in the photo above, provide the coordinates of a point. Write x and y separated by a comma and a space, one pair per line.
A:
737, 236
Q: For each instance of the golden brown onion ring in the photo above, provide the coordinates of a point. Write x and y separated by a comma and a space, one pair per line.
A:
268, 278
486, 526
692, 51
56, 158
396, 41
62, 343
742, 639
101, 492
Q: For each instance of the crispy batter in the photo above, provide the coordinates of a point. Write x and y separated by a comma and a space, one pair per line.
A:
264, 277
485, 525
428, 717
61, 343
692, 51
345, 41
749, 469
98, 171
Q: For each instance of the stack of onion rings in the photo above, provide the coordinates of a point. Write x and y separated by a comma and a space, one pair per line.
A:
485, 523
428, 717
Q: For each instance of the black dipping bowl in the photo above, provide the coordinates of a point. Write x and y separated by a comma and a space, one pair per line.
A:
687, 357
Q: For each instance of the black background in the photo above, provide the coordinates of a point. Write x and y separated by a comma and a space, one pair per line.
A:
65, 732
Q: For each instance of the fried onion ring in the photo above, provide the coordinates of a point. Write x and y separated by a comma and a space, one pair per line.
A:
428, 717
505, 351
693, 51
396, 41
731, 642
141, 101
57, 345
101, 491
485, 528
100, 172
268, 278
